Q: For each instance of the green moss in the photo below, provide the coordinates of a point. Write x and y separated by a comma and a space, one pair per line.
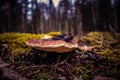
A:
53, 33
117, 36
107, 52
16, 41
81, 70
99, 38
40, 76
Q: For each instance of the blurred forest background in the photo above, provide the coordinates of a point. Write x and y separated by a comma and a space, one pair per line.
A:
95, 25
75, 16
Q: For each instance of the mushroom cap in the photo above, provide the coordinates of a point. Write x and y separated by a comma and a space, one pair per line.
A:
51, 45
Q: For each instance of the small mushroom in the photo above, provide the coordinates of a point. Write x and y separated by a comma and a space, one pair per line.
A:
53, 45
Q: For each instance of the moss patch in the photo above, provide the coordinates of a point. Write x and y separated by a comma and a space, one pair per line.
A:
16, 41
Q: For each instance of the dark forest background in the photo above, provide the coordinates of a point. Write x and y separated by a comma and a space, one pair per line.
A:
75, 16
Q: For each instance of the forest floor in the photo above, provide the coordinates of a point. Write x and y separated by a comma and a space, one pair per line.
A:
100, 62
